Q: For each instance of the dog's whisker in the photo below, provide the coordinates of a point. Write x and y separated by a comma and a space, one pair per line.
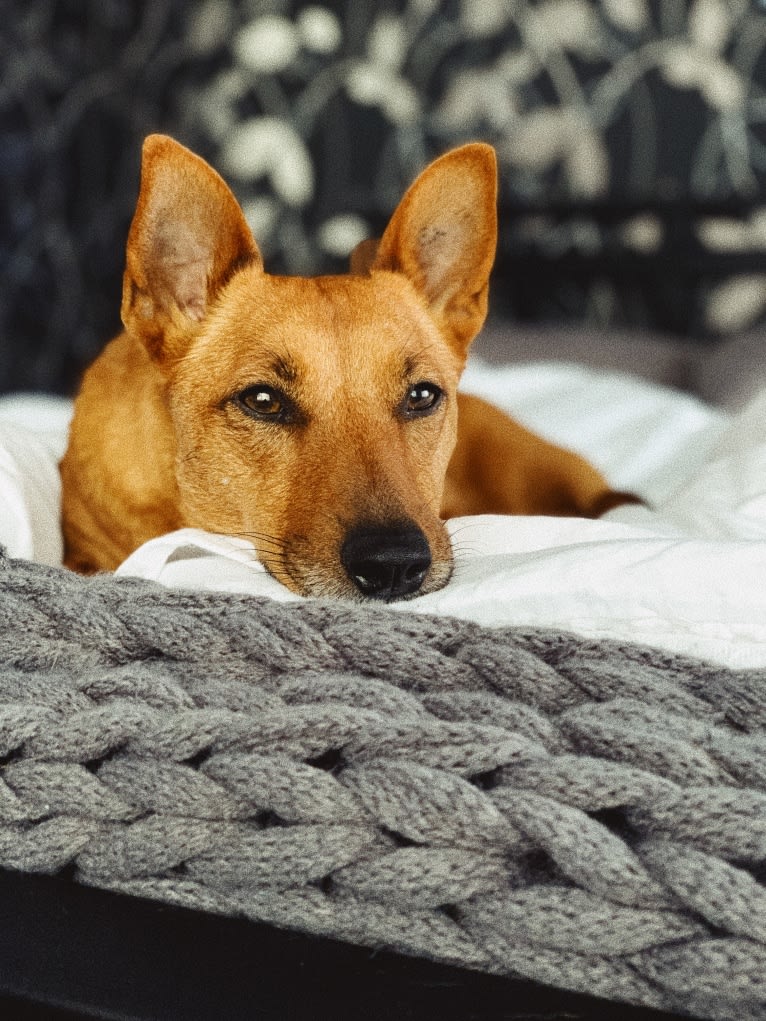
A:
266, 558
257, 535
261, 552
462, 528
462, 551
264, 541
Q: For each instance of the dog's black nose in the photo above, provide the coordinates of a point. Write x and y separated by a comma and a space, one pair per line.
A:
385, 562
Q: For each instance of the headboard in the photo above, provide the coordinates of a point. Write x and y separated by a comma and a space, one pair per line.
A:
630, 135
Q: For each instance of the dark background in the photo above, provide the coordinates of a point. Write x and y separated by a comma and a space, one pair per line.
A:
631, 135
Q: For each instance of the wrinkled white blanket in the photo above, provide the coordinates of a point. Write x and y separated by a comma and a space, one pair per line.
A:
687, 575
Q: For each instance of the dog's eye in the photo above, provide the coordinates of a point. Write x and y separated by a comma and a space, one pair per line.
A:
422, 399
265, 402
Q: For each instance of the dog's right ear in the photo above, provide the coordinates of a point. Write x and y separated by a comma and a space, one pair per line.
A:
187, 238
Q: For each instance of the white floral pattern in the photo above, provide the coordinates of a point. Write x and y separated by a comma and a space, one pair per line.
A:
631, 102
631, 136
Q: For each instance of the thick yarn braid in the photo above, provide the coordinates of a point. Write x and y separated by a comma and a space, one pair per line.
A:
586, 814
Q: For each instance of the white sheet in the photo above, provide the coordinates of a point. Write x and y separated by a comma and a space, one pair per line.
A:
32, 440
686, 576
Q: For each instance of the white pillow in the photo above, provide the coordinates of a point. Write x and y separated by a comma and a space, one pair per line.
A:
33, 432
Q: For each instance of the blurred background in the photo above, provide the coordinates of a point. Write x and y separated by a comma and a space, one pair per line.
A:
631, 136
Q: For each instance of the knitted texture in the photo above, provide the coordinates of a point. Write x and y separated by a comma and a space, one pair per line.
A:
586, 814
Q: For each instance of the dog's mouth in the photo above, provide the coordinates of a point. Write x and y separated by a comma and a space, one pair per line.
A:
384, 563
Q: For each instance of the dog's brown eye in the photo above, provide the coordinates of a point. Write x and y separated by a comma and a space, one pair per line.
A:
264, 402
422, 399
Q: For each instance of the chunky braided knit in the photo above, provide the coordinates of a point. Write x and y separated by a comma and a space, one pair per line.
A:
586, 814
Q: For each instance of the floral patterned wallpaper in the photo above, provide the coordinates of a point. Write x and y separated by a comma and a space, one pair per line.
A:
631, 136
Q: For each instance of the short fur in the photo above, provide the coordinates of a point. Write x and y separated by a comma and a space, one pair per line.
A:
341, 481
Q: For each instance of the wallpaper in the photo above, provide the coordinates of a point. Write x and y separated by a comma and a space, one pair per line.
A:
631, 136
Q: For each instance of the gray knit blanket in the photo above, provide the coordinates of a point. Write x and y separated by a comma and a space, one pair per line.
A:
586, 814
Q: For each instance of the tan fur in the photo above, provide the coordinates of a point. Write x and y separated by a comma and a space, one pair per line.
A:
160, 439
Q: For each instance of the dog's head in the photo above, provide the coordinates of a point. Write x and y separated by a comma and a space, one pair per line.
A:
314, 416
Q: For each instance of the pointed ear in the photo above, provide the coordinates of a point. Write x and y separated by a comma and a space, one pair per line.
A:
362, 257
187, 238
443, 236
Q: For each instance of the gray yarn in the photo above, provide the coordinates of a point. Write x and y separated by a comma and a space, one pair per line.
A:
586, 814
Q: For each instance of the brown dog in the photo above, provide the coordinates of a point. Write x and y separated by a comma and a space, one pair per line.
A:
317, 417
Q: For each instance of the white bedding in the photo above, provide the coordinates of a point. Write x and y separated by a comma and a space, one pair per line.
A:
687, 575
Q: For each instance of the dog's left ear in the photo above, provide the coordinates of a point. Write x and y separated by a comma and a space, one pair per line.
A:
188, 237
443, 236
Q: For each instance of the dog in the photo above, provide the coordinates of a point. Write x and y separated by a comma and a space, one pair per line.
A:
317, 417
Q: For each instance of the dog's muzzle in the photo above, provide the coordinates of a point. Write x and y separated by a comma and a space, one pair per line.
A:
386, 562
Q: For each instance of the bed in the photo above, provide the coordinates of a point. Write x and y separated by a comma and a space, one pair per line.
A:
593, 689
549, 776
